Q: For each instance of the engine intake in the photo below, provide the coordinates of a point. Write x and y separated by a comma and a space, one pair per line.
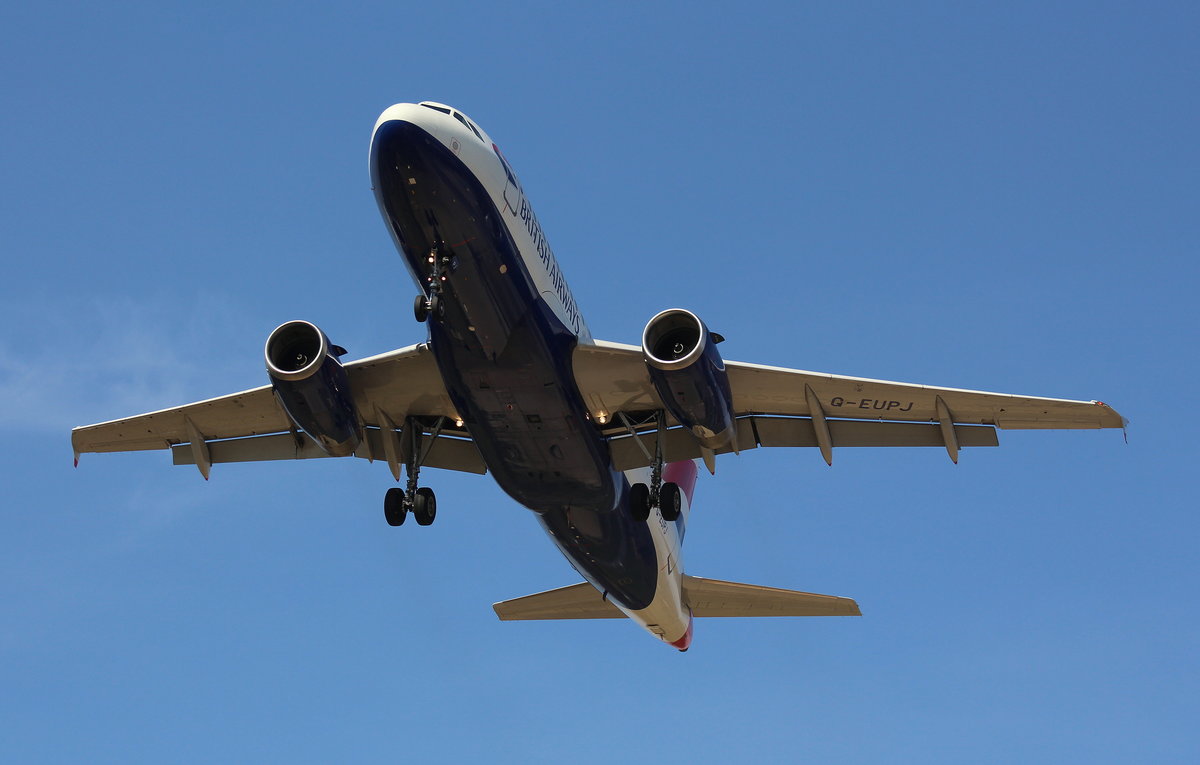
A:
688, 373
312, 386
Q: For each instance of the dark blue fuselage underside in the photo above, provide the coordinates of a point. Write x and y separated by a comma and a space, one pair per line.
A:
505, 359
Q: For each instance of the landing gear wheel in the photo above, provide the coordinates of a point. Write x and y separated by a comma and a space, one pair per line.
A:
670, 502
639, 501
393, 507
436, 307
421, 308
424, 506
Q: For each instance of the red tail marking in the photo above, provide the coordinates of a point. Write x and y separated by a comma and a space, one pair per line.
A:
685, 642
683, 474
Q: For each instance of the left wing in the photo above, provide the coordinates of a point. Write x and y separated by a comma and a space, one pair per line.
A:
251, 425
792, 407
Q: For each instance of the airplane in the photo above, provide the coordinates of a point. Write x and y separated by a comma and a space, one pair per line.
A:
601, 440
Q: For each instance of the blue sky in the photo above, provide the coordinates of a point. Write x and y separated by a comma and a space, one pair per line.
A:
1001, 198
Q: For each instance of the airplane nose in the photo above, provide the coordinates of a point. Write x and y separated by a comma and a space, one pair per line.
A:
402, 113
395, 143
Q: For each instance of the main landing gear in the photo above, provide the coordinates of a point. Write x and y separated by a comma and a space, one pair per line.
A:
665, 496
396, 506
421, 500
431, 302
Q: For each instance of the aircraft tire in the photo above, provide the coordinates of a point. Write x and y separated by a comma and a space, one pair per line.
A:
639, 501
425, 506
670, 502
393, 507
421, 309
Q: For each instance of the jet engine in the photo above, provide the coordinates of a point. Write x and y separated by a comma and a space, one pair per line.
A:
312, 386
689, 375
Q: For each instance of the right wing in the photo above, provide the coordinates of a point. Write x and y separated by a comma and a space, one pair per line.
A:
251, 425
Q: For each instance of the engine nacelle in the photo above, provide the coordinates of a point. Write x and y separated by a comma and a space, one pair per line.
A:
312, 386
689, 375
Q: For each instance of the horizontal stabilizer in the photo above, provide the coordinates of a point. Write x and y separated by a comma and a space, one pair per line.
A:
579, 601
713, 597
706, 597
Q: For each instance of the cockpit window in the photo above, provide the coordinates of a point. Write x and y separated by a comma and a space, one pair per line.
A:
504, 163
467, 125
475, 130
441, 109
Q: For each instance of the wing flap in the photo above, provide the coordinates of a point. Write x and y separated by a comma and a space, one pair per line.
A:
446, 452
753, 432
578, 601
798, 431
714, 597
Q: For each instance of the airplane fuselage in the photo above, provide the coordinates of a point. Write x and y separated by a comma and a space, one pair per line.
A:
503, 333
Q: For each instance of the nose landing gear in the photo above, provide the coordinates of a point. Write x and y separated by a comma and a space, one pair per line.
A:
432, 303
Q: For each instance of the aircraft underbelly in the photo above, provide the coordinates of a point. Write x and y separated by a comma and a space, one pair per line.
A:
505, 359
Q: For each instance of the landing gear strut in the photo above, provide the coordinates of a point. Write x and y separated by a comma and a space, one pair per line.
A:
419, 499
665, 496
431, 302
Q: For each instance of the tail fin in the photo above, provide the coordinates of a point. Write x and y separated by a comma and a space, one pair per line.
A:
713, 597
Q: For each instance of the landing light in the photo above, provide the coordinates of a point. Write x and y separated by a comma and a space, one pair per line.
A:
601, 417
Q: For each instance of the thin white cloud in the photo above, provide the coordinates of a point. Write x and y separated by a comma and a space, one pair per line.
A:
66, 365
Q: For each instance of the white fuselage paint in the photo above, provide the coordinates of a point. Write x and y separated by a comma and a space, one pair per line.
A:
667, 618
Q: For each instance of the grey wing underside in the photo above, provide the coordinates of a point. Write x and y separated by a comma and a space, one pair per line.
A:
401, 394
395, 392
778, 407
